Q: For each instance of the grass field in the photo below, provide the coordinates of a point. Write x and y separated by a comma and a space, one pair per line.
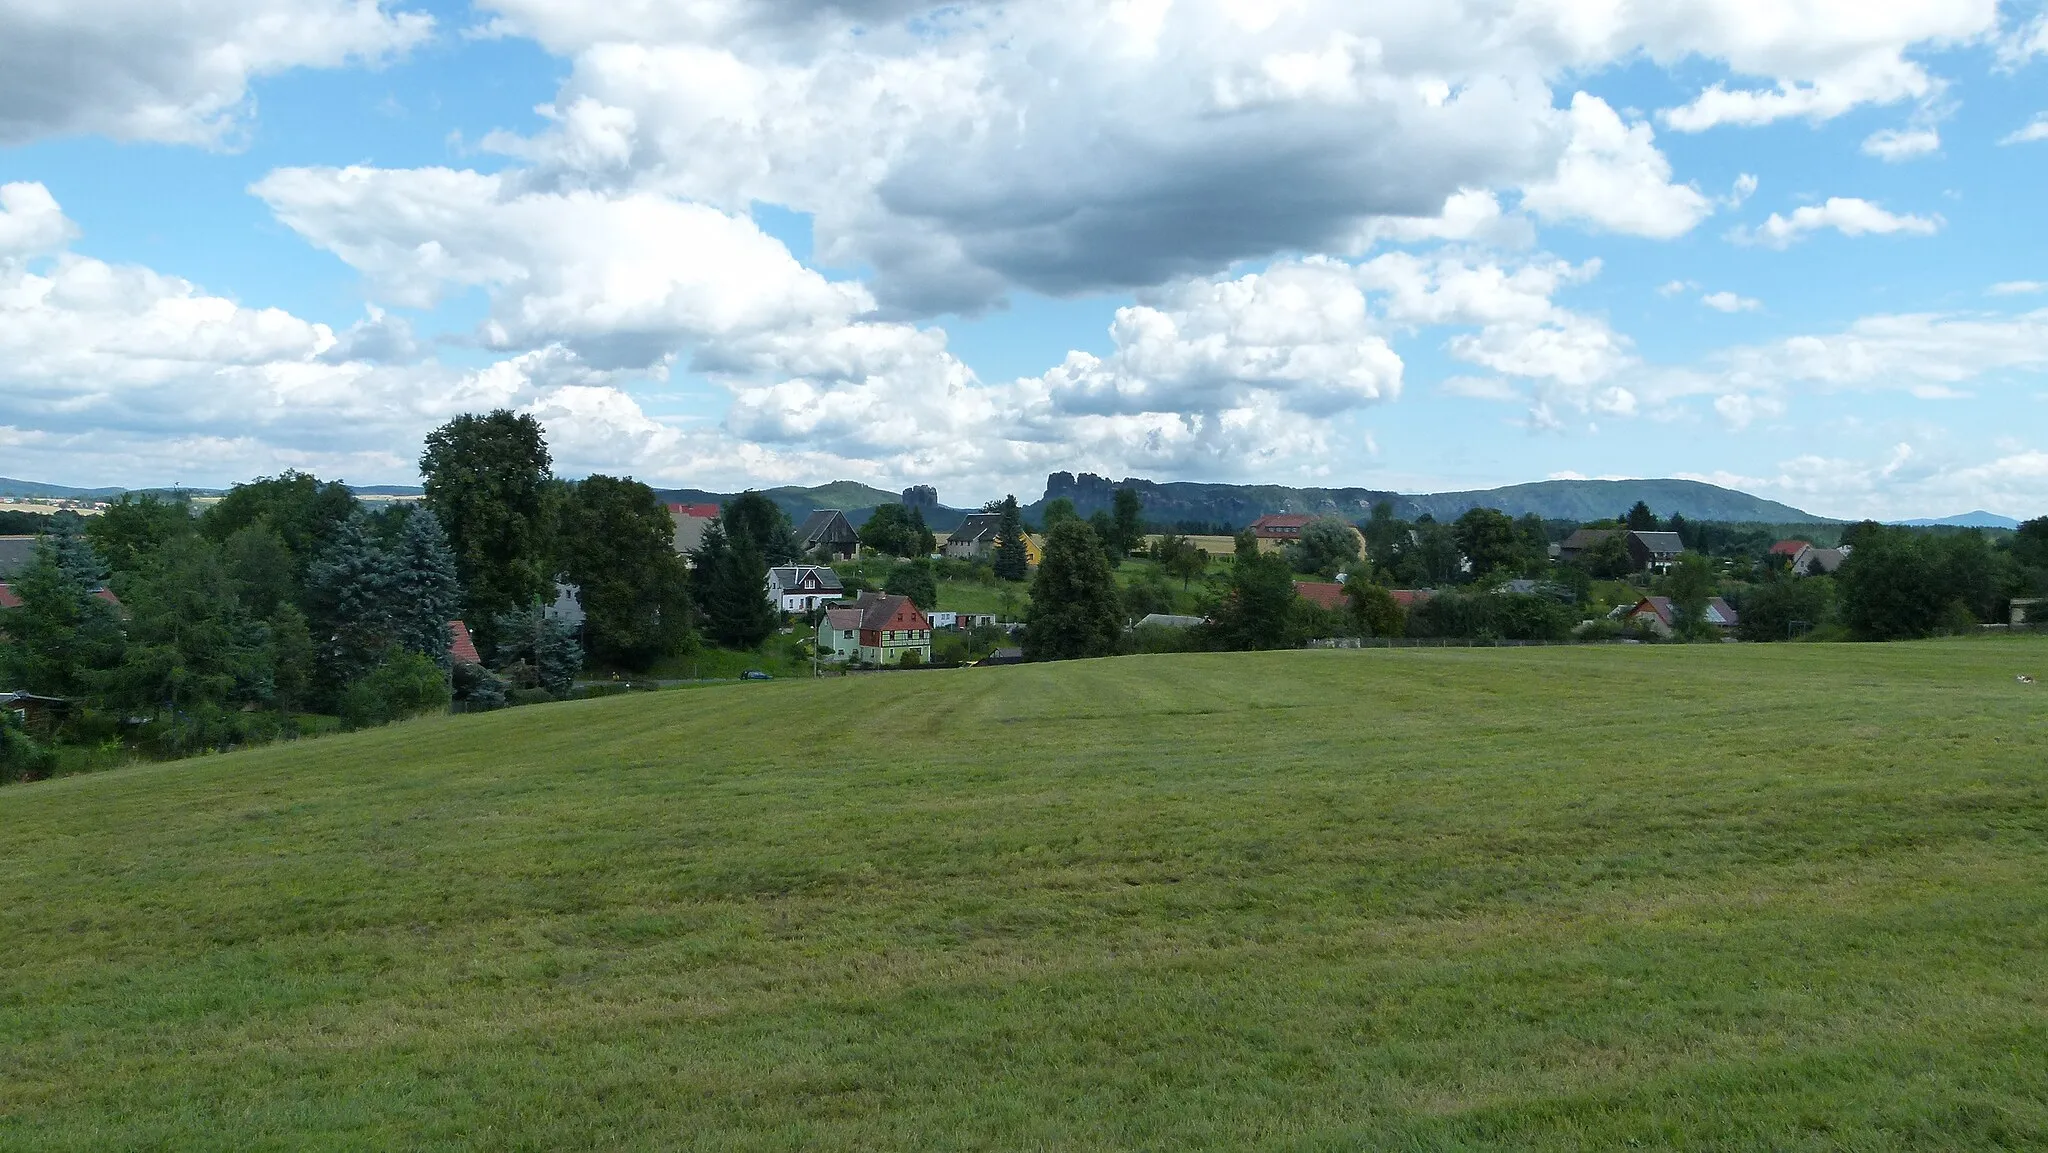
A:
1717, 897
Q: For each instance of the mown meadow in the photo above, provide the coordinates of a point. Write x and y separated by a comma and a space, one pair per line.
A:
1706, 897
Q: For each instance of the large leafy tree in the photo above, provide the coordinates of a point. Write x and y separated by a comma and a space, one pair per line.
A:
1691, 586
305, 512
1057, 510
616, 542
1327, 546
426, 593
1891, 589
1012, 562
752, 519
895, 530
1783, 607
487, 480
1490, 541
731, 586
136, 525
262, 567
1075, 610
1259, 610
1374, 610
914, 579
1128, 520
1385, 534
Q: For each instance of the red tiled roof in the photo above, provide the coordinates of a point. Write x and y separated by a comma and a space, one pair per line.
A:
1328, 594
461, 648
1789, 548
700, 511
1409, 598
108, 596
1280, 524
879, 612
8, 598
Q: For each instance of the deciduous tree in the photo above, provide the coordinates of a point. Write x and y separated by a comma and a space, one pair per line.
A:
1075, 611
487, 480
617, 548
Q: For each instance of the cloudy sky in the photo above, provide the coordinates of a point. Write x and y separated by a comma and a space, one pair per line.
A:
1794, 246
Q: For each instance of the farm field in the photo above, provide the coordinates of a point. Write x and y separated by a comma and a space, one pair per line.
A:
1716, 897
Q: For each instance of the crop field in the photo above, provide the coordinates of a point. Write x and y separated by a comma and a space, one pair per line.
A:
1718, 897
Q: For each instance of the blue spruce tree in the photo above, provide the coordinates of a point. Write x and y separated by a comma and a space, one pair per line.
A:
352, 595
426, 594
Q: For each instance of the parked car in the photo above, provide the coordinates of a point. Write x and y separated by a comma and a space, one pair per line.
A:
755, 675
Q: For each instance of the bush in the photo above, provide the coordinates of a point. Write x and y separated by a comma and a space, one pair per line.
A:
478, 688
404, 684
530, 697
910, 659
22, 757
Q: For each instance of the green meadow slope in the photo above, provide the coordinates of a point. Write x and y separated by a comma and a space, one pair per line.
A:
1789, 897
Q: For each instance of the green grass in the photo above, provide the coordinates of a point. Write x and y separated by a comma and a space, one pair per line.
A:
1716, 897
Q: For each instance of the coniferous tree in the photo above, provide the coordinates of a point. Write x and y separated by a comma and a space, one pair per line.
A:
1012, 561
291, 659
192, 651
753, 519
731, 583
62, 637
350, 590
426, 595
74, 553
531, 637
1075, 610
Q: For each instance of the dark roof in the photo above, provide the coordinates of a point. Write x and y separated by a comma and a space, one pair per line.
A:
1328, 594
826, 526
1003, 657
788, 576
1830, 558
461, 647
1660, 543
845, 620
15, 554
978, 527
1586, 538
1719, 612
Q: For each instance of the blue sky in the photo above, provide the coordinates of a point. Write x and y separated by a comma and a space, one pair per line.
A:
1793, 248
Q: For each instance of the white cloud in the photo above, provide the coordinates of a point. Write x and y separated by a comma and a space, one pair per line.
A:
31, 223
2034, 130
2017, 288
1072, 145
1907, 480
175, 73
1675, 287
1846, 215
1893, 145
1612, 176
1730, 302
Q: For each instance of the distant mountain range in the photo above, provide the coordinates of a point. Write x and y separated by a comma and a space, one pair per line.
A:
1572, 500
1978, 519
1238, 505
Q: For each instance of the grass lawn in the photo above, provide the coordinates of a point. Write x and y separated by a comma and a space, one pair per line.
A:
975, 597
1719, 897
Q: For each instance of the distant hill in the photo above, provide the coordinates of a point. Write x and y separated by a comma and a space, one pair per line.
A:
30, 489
1573, 500
857, 500
1978, 519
